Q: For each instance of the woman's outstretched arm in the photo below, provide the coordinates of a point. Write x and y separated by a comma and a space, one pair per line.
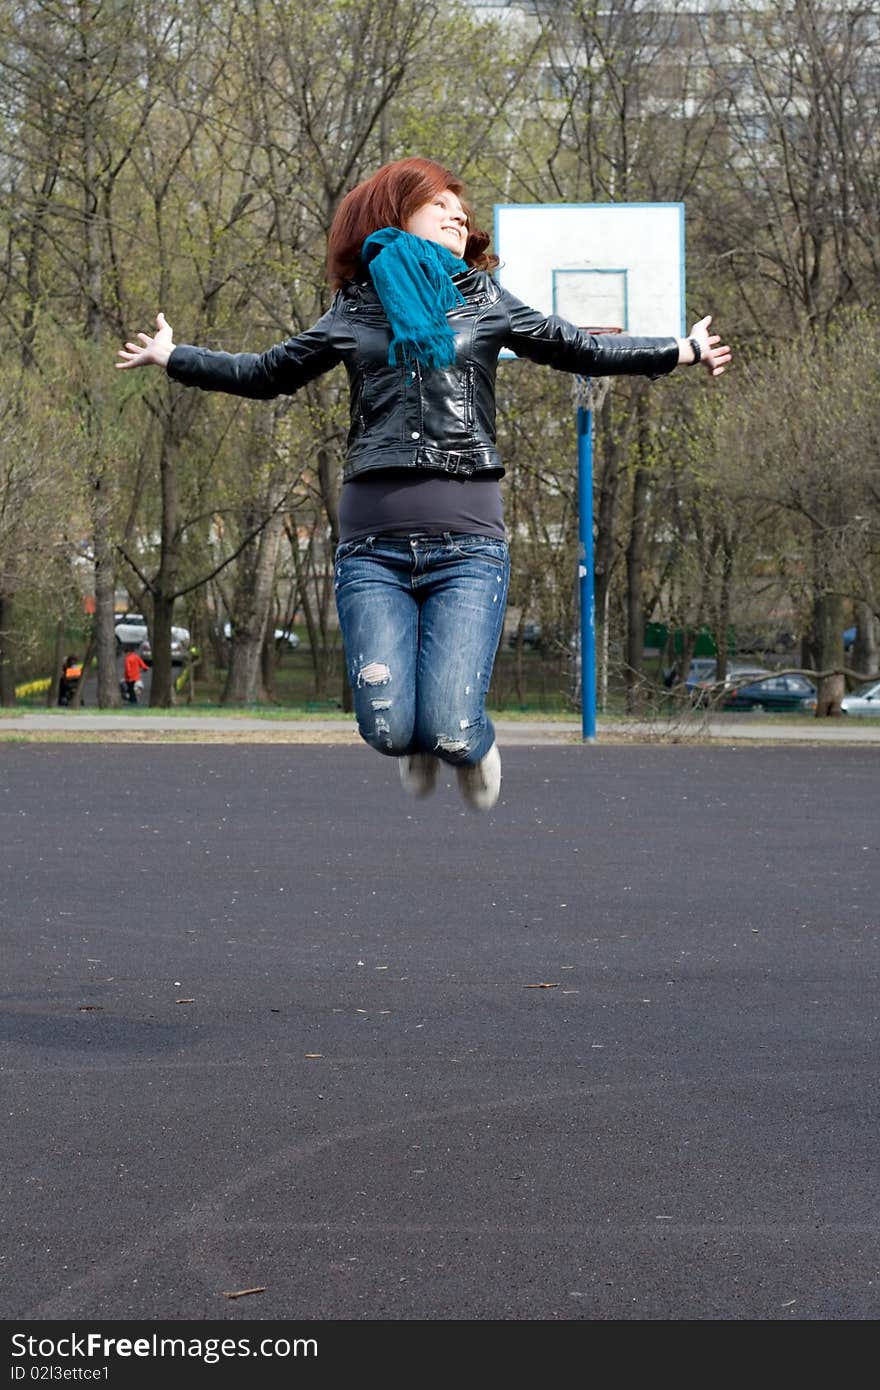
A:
281, 370
554, 342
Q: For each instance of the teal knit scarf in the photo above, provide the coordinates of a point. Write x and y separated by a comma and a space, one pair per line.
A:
412, 277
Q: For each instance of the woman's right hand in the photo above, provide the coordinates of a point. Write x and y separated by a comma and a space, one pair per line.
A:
153, 352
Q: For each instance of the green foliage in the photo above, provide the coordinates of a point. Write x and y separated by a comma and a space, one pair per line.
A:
189, 156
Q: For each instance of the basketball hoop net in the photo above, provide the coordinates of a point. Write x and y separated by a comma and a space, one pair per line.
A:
590, 391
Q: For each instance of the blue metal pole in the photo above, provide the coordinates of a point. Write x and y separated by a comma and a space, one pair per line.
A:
585, 573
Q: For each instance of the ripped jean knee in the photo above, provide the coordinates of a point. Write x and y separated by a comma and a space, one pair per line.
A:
380, 734
464, 745
384, 722
374, 673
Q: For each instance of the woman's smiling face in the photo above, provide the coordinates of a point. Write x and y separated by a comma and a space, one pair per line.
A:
442, 219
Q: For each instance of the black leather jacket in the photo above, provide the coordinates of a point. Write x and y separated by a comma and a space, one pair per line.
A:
414, 417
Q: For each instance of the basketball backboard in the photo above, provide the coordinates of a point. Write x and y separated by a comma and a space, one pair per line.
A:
614, 264
599, 265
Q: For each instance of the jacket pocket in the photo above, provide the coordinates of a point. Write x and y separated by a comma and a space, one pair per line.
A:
469, 399
448, 407
358, 421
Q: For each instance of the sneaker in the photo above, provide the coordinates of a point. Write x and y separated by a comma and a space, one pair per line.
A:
480, 783
418, 773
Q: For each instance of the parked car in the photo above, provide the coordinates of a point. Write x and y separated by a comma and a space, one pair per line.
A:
283, 636
793, 693
131, 629
711, 691
531, 636
701, 667
180, 641
132, 635
700, 680
865, 699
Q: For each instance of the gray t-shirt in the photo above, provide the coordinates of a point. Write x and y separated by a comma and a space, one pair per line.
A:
396, 502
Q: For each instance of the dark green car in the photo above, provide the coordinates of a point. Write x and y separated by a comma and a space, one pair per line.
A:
793, 693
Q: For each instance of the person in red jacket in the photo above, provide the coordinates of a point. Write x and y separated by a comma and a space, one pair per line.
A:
133, 666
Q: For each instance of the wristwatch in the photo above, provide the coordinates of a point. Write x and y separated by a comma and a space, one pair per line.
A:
698, 355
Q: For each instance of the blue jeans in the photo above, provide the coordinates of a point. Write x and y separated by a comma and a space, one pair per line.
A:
421, 617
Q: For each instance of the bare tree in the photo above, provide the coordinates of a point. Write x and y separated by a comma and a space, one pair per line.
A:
800, 437
800, 219
39, 441
621, 112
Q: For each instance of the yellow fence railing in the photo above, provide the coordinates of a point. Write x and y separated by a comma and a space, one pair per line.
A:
32, 688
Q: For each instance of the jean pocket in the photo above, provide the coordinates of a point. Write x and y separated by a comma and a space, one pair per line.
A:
346, 549
481, 548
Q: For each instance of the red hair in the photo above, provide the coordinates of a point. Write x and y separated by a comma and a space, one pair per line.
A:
388, 199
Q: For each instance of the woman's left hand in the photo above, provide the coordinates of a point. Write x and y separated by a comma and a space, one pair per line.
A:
149, 351
714, 355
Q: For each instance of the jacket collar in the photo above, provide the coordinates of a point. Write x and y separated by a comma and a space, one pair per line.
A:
470, 281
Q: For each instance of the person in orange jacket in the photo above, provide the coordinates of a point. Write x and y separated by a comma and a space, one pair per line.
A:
71, 673
133, 666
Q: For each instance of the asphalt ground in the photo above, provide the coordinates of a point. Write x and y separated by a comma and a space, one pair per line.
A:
609, 1052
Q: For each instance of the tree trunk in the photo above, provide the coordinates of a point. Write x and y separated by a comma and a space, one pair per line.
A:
635, 605
268, 662
244, 685
162, 673
76, 699
315, 586
199, 625
108, 695
865, 656
54, 689
330, 496
166, 581
828, 645
723, 625
7, 657
32, 276
302, 568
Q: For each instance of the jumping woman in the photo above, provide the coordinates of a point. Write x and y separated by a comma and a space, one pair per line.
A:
422, 563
